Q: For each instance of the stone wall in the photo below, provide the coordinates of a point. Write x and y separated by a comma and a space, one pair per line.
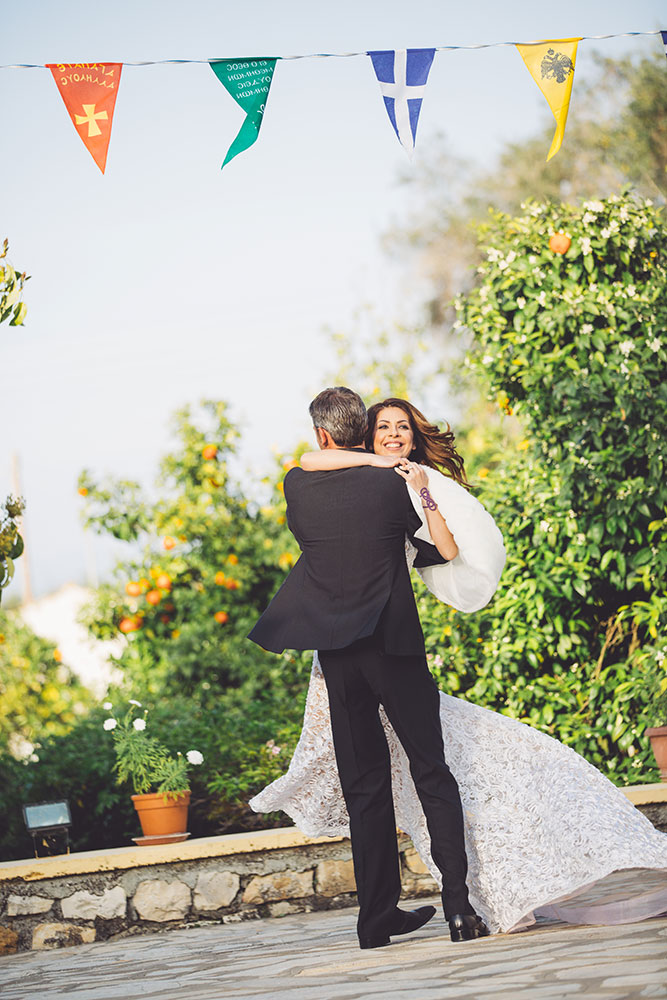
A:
51, 912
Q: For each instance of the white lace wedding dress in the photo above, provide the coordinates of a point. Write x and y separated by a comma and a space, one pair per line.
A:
542, 824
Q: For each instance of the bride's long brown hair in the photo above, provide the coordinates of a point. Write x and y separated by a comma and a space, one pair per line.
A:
432, 446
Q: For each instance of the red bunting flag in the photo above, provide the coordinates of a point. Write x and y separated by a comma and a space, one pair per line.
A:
89, 91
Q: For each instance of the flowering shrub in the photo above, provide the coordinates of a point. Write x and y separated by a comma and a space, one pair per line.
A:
572, 343
144, 760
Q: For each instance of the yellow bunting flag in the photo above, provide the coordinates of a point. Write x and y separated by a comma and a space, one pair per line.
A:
89, 91
551, 65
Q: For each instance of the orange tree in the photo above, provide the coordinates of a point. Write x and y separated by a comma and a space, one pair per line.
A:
568, 317
203, 562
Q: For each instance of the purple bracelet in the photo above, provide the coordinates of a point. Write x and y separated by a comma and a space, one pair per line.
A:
427, 499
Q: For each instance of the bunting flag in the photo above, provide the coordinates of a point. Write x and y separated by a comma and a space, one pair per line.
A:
89, 91
551, 65
663, 35
248, 81
402, 75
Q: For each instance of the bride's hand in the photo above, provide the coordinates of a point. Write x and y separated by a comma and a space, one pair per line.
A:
385, 461
413, 474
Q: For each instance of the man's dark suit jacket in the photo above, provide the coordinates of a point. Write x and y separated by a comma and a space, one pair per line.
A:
352, 578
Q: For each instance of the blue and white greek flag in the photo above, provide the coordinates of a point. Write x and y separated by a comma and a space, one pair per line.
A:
663, 35
402, 75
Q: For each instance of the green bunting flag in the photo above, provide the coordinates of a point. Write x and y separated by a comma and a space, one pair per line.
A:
248, 81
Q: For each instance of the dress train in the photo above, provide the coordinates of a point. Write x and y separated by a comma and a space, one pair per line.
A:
543, 826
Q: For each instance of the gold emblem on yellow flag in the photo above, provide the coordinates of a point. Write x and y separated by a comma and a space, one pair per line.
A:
551, 65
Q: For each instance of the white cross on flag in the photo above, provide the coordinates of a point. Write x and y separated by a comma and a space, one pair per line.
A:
402, 75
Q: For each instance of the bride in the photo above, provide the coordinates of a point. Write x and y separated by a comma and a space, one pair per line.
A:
542, 824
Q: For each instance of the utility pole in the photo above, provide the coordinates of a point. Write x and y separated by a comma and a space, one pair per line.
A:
25, 558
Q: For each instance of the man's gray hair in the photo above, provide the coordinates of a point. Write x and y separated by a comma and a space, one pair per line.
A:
342, 413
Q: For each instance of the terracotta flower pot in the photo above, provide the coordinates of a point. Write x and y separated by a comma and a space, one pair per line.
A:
162, 820
658, 738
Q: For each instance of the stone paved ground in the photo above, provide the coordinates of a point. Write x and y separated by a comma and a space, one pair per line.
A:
314, 956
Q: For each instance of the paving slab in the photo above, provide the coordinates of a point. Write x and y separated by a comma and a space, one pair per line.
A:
314, 956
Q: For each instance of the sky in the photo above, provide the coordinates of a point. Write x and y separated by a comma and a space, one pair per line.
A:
166, 280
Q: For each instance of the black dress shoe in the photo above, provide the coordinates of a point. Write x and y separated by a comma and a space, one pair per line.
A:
405, 922
466, 927
408, 921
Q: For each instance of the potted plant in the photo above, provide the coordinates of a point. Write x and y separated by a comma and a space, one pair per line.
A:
657, 732
159, 778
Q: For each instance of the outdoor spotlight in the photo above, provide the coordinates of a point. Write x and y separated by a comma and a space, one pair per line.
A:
48, 823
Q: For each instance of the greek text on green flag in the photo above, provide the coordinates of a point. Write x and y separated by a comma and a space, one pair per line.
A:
248, 81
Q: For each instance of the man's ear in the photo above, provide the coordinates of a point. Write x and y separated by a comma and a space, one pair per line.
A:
323, 438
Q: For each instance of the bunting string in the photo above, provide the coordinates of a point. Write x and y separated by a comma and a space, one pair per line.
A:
347, 55
89, 90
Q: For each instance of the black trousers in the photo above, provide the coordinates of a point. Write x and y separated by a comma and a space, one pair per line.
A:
359, 679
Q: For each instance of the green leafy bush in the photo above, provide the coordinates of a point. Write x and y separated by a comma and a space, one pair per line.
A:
572, 343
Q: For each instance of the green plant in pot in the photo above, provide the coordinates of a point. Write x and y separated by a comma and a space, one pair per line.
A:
158, 777
654, 664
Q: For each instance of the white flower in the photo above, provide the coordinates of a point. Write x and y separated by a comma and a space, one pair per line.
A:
487, 359
542, 298
275, 750
655, 344
521, 302
605, 233
107, 706
484, 293
133, 702
110, 724
194, 757
659, 657
623, 214
587, 328
544, 525
632, 243
139, 724
631, 291
624, 369
625, 347
585, 246
588, 218
594, 206
493, 255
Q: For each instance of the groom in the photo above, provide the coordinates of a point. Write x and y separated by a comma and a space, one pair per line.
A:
349, 596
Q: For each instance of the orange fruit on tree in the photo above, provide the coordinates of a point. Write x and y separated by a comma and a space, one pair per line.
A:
209, 452
232, 559
231, 584
220, 578
221, 617
82, 491
133, 588
168, 542
163, 581
153, 597
128, 625
559, 243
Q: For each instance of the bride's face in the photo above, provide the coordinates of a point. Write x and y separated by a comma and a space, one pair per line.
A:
393, 434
